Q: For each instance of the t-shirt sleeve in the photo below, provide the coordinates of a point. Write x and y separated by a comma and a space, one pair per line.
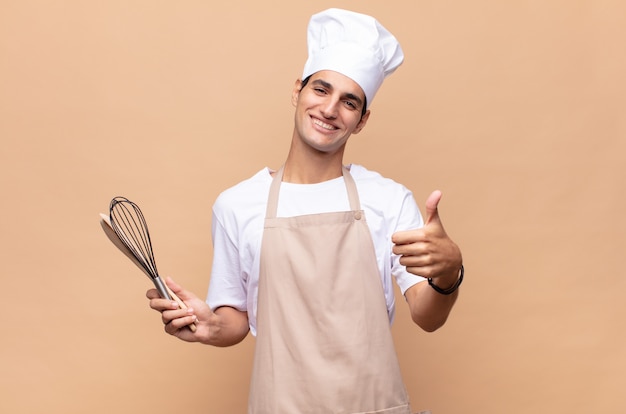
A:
409, 218
227, 287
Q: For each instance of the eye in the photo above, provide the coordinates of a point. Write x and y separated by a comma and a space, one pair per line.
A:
351, 104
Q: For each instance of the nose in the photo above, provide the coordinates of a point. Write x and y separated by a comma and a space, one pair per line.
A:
329, 109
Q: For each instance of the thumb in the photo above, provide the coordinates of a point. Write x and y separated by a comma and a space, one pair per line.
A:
432, 212
177, 289
172, 285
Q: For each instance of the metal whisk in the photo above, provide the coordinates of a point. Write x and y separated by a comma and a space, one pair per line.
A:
126, 227
129, 224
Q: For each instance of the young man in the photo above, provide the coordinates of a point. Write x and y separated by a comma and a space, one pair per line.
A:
309, 272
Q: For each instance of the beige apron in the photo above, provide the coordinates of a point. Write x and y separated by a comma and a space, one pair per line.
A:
323, 342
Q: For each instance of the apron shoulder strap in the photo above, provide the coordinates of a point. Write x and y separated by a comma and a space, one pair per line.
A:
353, 194
272, 199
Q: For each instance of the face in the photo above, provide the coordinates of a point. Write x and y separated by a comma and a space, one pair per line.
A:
328, 111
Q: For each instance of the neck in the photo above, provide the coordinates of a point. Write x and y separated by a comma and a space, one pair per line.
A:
308, 166
310, 172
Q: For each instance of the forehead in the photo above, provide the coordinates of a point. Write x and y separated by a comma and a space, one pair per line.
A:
338, 82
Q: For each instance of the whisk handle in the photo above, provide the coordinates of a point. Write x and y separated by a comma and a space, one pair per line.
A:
158, 283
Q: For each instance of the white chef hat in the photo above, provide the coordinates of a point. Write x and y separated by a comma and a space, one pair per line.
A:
353, 44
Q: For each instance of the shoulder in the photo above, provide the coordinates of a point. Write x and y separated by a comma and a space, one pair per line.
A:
386, 200
372, 181
258, 183
247, 195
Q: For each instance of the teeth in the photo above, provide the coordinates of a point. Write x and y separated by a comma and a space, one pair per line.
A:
323, 124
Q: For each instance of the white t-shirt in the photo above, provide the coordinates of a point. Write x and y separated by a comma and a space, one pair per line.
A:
238, 219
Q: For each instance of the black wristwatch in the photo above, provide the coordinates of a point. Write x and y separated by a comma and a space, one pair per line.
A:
451, 289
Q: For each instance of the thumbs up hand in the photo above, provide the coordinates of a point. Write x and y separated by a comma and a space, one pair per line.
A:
428, 251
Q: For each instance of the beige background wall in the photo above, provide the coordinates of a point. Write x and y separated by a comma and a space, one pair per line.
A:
516, 110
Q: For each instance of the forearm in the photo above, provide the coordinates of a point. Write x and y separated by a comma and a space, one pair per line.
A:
227, 326
429, 309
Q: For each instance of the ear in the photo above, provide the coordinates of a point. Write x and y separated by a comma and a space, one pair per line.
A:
297, 87
362, 122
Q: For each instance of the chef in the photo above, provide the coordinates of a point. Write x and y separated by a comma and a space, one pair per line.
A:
305, 255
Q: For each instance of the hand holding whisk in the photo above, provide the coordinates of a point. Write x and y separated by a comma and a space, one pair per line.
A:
126, 227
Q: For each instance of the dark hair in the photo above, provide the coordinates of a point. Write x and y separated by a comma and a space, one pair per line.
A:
363, 110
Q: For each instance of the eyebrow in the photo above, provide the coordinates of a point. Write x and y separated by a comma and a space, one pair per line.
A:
329, 86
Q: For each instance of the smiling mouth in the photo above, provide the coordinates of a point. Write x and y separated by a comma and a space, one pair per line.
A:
323, 125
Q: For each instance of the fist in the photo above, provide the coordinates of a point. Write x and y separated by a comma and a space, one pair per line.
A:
428, 251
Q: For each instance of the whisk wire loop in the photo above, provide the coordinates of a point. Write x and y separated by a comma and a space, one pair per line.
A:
129, 224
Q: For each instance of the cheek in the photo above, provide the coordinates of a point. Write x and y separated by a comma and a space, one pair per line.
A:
357, 125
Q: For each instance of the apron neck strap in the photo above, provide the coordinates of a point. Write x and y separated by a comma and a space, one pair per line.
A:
272, 201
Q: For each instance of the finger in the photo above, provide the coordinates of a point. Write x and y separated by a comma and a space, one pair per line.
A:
432, 209
414, 261
161, 305
181, 323
168, 316
158, 303
407, 237
412, 247
152, 294
400, 237
181, 326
